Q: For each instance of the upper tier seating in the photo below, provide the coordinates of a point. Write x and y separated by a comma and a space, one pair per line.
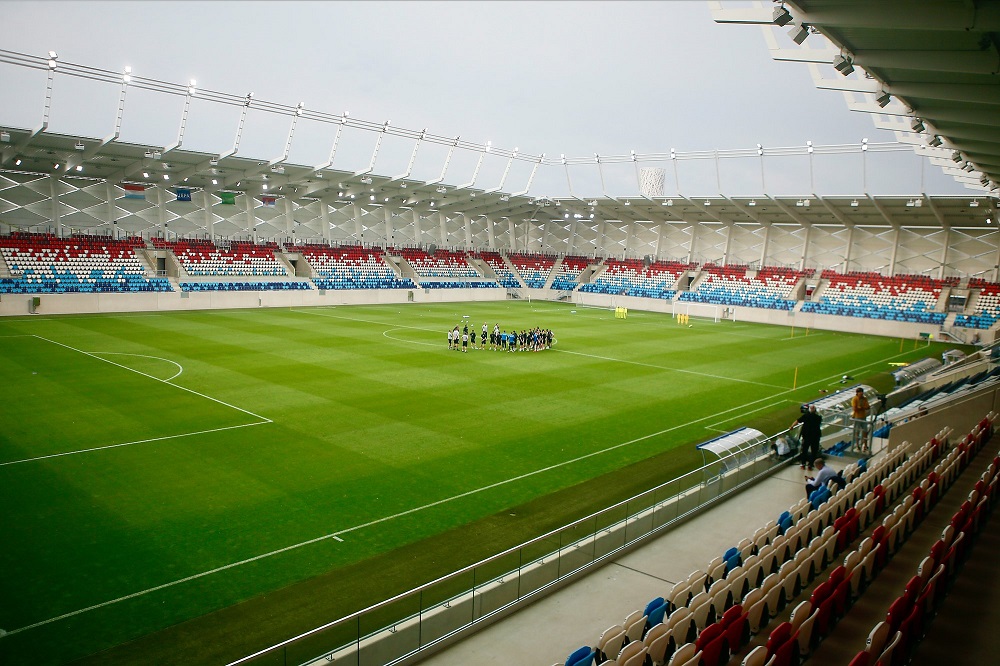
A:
567, 273
906, 298
987, 308
443, 263
495, 261
351, 267
204, 258
730, 285
534, 268
631, 277
46, 264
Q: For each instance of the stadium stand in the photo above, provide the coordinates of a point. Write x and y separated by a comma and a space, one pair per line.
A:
987, 306
738, 606
46, 264
904, 298
770, 287
495, 261
242, 259
534, 269
351, 267
568, 271
444, 263
631, 277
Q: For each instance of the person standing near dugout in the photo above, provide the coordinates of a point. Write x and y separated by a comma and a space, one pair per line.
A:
811, 422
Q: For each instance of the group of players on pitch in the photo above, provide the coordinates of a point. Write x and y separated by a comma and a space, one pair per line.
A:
535, 339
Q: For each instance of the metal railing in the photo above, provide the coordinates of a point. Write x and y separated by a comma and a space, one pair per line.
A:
410, 625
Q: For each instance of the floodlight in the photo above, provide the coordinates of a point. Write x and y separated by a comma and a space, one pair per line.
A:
854, 204
882, 98
191, 86
668, 202
934, 141
215, 182
781, 17
864, 145
760, 149
5, 137
843, 64
127, 74
799, 32
56, 166
969, 167
917, 125
79, 167
79, 146
956, 157
809, 147
752, 202
975, 202
17, 162
53, 55
166, 176
145, 174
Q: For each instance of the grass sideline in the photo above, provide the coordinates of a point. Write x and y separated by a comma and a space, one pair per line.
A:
236, 434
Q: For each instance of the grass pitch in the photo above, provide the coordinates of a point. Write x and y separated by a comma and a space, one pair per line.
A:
192, 487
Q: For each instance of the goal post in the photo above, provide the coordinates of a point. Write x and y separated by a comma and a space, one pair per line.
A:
698, 310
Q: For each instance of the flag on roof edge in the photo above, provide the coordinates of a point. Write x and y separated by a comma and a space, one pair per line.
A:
134, 191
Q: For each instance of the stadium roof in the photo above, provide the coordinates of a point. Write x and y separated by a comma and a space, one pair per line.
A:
929, 70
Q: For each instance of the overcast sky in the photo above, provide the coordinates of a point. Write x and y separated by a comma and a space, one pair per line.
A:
573, 78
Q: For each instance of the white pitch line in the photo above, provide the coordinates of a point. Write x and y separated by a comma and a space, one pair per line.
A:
183, 388
335, 535
180, 368
663, 367
138, 441
386, 335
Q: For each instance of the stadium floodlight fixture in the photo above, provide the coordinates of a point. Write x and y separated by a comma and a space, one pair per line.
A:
145, 174
53, 56
799, 32
215, 182
591, 216
298, 109
864, 144
855, 204
956, 156
975, 202
5, 137
668, 202
192, 86
166, 176
673, 155
934, 141
371, 198
843, 64
917, 125
127, 74
882, 98
79, 167
17, 162
707, 202
80, 146
809, 147
969, 167
752, 202
760, 149
780, 17
566, 216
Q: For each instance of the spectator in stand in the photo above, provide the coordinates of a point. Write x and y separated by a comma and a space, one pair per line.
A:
823, 476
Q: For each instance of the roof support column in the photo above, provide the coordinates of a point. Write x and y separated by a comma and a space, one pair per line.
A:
659, 239
694, 243
54, 193
206, 203
847, 249
109, 192
944, 252
805, 248
358, 228
729, 242
571, 241
161, 211
763, 249
390, 234
324, 216
629, 236
443, 229
468, 230
416, 225
513, 237
895, 246
996, 263
251, 217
